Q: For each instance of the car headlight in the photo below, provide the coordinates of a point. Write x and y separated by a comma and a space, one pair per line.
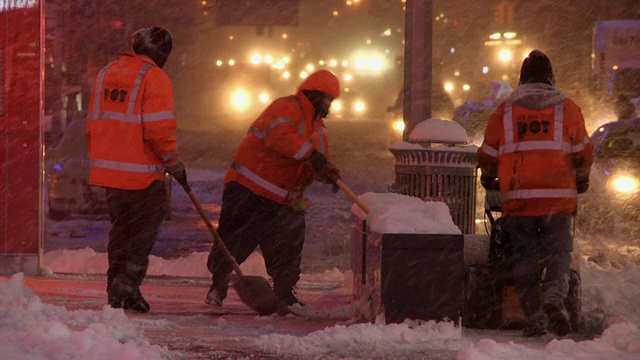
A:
240, 100
398, 125
336, 106
264, 97
624, 184
359, 106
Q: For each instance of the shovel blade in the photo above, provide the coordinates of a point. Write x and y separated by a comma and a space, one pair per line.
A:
257, 294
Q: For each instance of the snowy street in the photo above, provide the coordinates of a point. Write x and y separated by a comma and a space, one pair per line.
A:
181, 322
71, 310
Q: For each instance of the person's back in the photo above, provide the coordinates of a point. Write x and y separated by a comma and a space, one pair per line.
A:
534, 133
131, 120
537, 146
131, 143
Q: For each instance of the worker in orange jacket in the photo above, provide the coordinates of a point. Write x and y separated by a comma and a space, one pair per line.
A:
131, 142
263, 205
537, 146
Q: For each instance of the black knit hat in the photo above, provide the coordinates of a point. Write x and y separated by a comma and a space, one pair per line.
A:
536, 68
155, 42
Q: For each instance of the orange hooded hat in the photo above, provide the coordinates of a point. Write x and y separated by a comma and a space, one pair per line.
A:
322, 80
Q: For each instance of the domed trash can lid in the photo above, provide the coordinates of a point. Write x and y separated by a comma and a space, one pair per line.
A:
438, 131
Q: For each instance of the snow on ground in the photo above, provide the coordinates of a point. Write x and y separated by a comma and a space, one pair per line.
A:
32, 328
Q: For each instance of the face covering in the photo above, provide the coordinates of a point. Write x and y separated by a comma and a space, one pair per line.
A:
322, 109
321, 103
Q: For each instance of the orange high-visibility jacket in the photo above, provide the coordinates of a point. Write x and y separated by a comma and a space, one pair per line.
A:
131, 125
271, 160
537, 155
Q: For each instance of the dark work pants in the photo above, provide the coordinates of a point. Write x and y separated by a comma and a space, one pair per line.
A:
136, 216
248, 221
538, 242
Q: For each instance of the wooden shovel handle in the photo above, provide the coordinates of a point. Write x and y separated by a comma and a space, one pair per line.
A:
353, 196
215, 234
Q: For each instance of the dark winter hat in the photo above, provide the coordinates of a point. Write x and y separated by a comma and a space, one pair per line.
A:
155, 42
536, 68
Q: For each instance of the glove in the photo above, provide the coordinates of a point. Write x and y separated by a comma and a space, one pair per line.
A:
331, 175
179, 173
489, 182
328, 175
582, 185
318, 161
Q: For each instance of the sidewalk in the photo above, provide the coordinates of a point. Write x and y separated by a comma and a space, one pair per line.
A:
180, 320
64, 316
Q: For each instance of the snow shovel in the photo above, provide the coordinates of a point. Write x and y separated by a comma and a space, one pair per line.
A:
353, 196
254, 291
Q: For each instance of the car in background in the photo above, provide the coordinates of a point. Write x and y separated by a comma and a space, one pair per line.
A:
349, 106
613, 199
474, 116
67, 172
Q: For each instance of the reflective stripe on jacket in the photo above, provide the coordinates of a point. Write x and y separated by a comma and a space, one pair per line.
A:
131, 125
536, 155
271, 160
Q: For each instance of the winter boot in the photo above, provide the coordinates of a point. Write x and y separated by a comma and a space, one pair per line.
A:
215, 296
289, 298
554, 295
536, 325
118, 292
559, 321
137, 303
126, 296
534, 330
217, 291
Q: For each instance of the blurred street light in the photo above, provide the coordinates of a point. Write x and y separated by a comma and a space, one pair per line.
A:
505, 55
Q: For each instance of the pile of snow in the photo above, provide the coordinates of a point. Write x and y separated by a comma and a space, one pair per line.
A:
30, 329
33, 330
373, 340
471, 147
392, 213
438, 131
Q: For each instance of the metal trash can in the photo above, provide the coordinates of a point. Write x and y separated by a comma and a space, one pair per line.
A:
439, 170
406, 275
358, 254
415, 276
